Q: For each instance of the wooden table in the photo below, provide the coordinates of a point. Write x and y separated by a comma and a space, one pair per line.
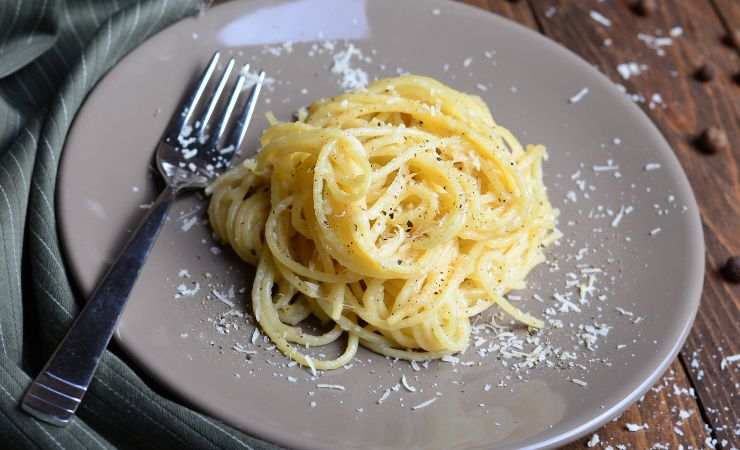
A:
695, 384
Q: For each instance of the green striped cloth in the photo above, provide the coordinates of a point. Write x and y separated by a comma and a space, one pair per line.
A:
52, 52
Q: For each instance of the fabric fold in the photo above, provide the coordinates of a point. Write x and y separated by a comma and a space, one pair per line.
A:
70, 46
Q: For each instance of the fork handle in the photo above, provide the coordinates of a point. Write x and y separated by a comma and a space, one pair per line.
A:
57, 391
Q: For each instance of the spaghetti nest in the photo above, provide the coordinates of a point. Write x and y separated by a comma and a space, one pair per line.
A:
393, 213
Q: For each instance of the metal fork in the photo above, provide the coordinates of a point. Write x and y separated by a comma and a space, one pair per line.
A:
189, 156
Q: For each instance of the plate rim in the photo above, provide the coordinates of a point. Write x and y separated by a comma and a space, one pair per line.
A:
695, 247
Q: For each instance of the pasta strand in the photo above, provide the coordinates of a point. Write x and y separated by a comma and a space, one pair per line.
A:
394, 213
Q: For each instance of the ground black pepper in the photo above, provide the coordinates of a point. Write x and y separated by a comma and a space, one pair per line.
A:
645, 7
713, 140
733, 39
706, 72
731, 269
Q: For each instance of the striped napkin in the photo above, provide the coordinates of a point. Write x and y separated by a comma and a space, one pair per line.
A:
52, 52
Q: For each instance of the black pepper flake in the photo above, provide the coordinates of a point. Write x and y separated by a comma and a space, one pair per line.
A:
731, 269
733, 39
399, 262
706, 72
645, 7
712, 140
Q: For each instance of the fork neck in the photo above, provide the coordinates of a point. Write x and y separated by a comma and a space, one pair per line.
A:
169, 193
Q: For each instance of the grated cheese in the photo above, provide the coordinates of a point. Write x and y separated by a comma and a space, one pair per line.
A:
726, 361
579, 96
594, 441
598, 17
184, 291
579, 382
406, 384
351, 78
424, 404
618, 217
335, 387
384, 396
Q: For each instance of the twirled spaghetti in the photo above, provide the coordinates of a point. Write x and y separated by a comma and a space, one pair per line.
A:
395, 212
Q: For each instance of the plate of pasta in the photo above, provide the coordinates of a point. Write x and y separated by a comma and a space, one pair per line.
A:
429, 240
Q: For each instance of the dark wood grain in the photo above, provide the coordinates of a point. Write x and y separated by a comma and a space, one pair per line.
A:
518, 11
688, 107
729, 13
672, 416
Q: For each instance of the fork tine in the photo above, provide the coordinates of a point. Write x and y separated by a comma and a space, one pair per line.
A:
215, 97
188, 106
240, 130
215, 138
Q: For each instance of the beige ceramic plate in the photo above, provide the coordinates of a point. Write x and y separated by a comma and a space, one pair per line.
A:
608, 168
